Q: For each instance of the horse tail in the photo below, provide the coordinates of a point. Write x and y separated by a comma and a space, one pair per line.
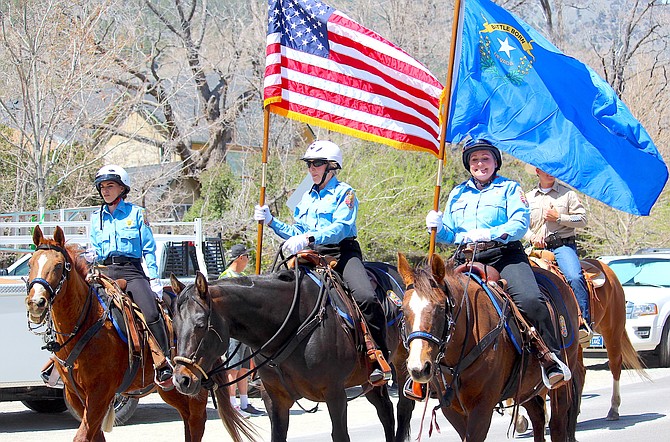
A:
236, 425
108, 421
631, 359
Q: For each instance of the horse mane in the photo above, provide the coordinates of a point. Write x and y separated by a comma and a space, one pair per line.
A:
79, 264
425, 283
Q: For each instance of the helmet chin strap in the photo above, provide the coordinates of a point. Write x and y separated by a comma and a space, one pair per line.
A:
323, 177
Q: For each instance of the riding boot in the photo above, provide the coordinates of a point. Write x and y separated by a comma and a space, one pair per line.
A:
164, 371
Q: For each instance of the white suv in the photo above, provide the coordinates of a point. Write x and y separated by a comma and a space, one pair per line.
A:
645, 277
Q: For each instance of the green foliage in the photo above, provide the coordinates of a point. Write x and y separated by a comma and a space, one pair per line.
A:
219, 186
395, 189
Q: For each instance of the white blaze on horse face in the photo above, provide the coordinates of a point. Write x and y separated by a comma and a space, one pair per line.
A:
417, 304
38, 290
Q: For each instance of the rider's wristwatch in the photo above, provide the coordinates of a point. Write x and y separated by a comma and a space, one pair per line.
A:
310, 239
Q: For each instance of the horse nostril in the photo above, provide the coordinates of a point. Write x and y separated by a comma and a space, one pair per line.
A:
41, 303
427, 369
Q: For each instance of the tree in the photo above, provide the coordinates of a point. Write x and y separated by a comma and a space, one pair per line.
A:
51, 97
197, 67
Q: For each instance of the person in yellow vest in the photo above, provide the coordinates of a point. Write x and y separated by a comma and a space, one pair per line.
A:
237, 351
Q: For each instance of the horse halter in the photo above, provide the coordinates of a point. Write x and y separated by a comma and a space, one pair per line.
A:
53, 292
191, 361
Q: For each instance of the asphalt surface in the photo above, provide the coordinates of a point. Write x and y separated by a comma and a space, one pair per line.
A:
644, 417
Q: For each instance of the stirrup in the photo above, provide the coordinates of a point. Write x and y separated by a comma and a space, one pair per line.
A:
377, 356
414, 390
564, 371
585, 334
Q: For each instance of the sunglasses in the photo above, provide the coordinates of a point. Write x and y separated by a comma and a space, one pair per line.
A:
315, 163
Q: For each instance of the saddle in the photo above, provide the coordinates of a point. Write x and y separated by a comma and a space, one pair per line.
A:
321, 267
593, 276
130, 323
519, 329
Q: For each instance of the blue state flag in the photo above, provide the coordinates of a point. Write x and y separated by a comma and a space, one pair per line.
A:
516, 89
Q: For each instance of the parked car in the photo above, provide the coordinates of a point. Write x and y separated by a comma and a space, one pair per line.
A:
645, 277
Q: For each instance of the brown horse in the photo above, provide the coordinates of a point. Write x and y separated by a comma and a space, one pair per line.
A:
456, 343
302, 346
608, 315
92, 358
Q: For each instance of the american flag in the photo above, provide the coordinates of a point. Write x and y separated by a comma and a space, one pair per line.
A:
325, 69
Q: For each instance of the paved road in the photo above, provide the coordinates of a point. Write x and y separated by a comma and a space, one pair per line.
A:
645, 410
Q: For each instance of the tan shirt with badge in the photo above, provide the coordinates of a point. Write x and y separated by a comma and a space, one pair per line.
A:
567, 204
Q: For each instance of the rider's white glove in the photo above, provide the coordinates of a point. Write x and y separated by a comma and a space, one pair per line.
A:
90, 255
295, 244
434, 219
157, 287
478, 235
262, 214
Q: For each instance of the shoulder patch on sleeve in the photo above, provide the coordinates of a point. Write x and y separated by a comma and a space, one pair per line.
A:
523, 199
349, 199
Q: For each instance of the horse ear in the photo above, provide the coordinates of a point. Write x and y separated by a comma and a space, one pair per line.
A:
201, 284
59, 236
437, 266
405, 270
177, 285
37, 235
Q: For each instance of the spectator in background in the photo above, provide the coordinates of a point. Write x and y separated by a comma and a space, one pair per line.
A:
237, 351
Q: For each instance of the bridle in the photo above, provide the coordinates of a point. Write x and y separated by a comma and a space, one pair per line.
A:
67, 267
190, 362
439, 341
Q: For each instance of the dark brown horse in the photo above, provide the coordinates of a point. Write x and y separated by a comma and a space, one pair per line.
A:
608, 314
93, 359
303, 347
448, 317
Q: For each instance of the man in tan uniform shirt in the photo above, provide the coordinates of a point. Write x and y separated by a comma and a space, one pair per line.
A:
556, 212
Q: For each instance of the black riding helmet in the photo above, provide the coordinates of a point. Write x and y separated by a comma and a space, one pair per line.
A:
480, 144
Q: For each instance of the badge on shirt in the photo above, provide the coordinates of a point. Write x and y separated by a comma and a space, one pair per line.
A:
349, 199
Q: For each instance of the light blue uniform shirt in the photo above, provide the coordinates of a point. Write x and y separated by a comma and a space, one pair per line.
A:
328, 215
124, 233
501, 207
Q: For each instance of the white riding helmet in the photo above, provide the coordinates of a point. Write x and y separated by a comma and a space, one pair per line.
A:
113, 173
324, 150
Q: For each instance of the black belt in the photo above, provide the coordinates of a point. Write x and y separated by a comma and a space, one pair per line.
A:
554, 241
120, 260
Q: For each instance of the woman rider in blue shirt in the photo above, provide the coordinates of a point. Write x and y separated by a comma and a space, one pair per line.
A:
325, 218
121, 237
491, 209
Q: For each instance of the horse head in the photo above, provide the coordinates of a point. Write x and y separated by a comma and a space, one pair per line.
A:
425, 311
49, 269
201, 335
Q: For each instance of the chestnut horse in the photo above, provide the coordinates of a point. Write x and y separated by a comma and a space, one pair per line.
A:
608, 315
452, 325
301, 344
92, 358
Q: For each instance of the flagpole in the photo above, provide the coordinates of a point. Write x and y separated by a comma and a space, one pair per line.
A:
444, 110
261, 201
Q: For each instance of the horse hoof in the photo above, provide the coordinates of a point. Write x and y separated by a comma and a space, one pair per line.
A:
612, 416
521, 425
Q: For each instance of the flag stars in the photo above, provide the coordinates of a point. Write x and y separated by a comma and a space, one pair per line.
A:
506, 47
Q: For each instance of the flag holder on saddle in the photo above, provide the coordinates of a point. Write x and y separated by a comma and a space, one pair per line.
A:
324, 266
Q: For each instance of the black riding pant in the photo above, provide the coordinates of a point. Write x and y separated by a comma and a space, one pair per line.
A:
138, 287
350, 266
512, 263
